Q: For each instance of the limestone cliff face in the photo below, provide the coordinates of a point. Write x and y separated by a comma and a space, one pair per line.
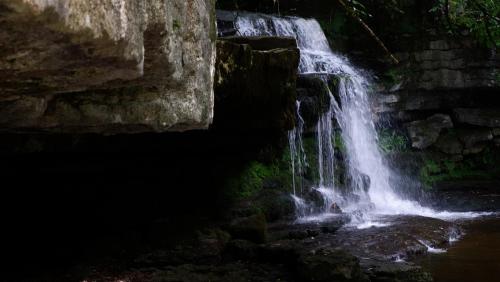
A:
106, 66
451, 84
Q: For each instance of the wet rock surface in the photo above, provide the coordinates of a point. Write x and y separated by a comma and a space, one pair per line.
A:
332, 249
247, 70
426, 132
252, 228
313, 251
314, 96
329, 265
400, 272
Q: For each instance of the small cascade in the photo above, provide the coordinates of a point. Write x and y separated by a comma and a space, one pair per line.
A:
326, 153
363, 200
302, 209
298, 159
298, 163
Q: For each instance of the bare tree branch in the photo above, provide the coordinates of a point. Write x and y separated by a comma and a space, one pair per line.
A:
369, 30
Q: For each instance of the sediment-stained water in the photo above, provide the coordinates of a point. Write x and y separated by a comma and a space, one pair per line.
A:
475, 257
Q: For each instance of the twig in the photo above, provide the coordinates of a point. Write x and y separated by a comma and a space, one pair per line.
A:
369, 30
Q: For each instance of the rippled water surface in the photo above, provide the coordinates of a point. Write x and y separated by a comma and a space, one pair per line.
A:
474, 258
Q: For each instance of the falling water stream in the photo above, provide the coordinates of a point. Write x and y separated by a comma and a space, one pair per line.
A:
354, 117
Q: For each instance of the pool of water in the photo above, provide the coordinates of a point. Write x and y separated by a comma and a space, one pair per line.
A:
475, 257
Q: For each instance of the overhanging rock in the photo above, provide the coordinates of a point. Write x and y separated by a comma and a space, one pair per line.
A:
108, 66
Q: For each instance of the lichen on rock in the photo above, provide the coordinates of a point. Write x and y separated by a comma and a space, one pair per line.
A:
135, 65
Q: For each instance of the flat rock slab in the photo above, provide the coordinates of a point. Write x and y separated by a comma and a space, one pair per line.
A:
479, 117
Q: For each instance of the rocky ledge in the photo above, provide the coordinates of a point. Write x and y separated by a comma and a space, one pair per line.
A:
255, 83
106, 66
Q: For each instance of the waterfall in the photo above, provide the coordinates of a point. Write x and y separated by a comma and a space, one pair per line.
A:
354, 116
298, 161
324, 136
298, 164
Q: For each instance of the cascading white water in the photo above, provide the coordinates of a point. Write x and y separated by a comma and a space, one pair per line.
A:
298, 163
326, 153
354, 117
298, 160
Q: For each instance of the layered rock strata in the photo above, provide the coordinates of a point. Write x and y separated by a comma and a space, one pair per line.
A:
106, 66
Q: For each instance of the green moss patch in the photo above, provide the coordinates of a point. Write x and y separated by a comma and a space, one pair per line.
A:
475, 167
391, 141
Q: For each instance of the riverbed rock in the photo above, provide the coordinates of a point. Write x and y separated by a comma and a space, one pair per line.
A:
383, 271
106, 66
255, 83
207, 247
229, 272
252, 228
301, 234
281, 252
275, 204
479, 117
328, 265
304, 231
241, 250
424, 133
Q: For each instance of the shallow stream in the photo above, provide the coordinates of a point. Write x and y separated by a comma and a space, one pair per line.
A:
475, 257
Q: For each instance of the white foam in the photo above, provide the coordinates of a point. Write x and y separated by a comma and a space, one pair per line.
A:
322, 217
301, 207
431, 249
370, 224
454, 236
399, 258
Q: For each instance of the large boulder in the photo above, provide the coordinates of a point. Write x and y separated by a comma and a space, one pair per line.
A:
384, 271
106, 66
424, 133
275, 204
329, 265
449, 144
